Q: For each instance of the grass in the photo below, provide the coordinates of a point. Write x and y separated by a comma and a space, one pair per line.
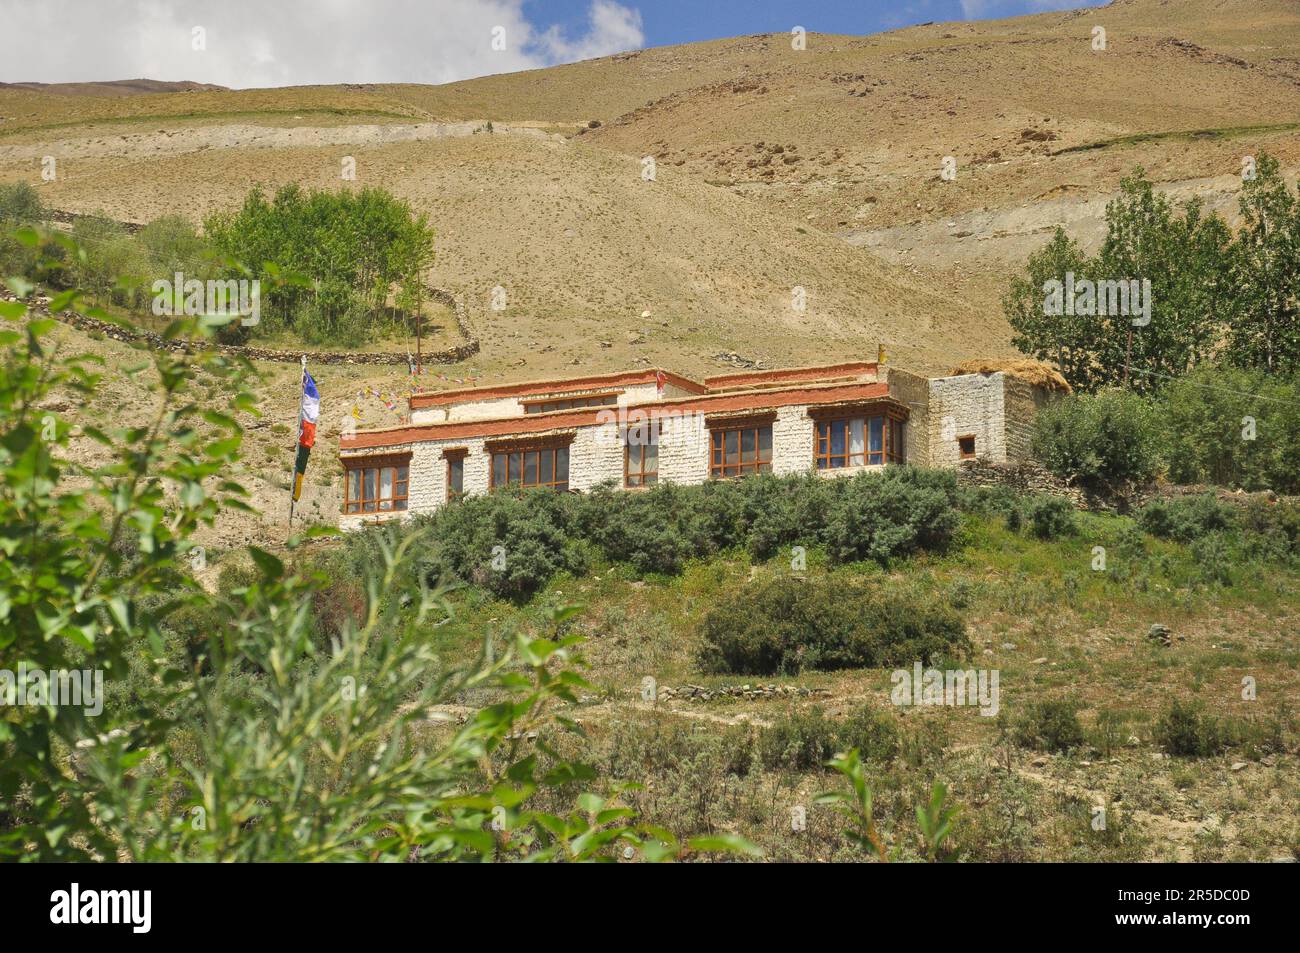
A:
1038, 614
1183, 135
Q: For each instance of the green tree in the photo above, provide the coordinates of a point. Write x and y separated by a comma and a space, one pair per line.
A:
1233, 427
1103, 441
1266, 333
1186, 259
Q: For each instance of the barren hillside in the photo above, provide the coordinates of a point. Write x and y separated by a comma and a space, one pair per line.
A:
776, 169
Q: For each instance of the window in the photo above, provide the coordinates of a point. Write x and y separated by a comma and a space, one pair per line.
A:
527, 465
641, 454
570, 403
739, 448
966, 447
455, 472
858, 441
376, 484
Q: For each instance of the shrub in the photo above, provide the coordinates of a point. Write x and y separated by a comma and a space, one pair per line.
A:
785, 625
355, 247
20, 206
1103, 441
1051, 517
895, 513
1184, 730
872, 732
510, 543
802, 740
1188, 519
1049, 725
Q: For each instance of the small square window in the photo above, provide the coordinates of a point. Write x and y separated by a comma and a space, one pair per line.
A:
966, 447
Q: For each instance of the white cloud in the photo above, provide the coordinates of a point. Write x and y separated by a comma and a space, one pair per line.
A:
293, 42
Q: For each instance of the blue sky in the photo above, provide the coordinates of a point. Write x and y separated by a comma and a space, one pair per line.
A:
666, 22
249, 43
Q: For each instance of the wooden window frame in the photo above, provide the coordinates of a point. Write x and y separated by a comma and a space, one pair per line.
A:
892, 439
718, 429
644, 477
455, 455
399, 501
576, 402
522, 449
961, 452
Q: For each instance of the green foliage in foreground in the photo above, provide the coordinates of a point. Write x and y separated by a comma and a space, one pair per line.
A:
254, 739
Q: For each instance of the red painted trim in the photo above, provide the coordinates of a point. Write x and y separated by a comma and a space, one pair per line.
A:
791, 374
591, 416
559, 386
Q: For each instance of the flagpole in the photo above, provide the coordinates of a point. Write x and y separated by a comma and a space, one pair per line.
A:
293, 469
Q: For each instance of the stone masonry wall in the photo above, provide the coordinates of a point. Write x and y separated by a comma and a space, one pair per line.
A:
964, 405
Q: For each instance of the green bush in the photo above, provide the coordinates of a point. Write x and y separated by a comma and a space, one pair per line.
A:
785, 625
801, 740
1103, 442
872, 732
510, 543
1049, 725
898, 512
345, 252
1184, 730
1185, 520
1051, 517
20, 206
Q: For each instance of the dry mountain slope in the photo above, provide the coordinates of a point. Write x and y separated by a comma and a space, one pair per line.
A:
772, 164
583, 245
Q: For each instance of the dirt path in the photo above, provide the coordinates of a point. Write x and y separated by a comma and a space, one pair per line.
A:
157, 143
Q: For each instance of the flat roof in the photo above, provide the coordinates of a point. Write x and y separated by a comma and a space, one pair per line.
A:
813, 394
554, 386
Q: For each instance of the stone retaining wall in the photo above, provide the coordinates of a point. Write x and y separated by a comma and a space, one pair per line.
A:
450, 355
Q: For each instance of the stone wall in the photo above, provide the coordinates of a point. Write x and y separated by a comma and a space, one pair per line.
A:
913, 390
1022, 402
967, 405
116, 332
1022, 475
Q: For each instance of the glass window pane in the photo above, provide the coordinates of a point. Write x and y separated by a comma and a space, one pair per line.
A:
368, 485
547, 472
733, 446
748, 443
456, 476
837, 442
355, 491
498, 469
765, 444
530, 468
516, 459
562, 466
386, 482
877, 434
650, 478
650, 459
633, 478
856, 428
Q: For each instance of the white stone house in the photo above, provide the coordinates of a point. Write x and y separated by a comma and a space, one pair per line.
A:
642, 427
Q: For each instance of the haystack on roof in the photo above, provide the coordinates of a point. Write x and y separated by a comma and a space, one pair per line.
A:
1032, 372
